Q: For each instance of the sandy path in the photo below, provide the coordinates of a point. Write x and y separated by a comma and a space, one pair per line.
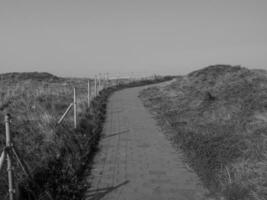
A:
136, 161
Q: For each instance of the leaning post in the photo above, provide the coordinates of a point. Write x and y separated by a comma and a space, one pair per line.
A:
11, 190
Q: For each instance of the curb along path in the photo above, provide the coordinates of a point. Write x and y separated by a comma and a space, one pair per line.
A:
135, 160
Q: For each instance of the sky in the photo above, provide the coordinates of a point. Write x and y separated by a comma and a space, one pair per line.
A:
86, 37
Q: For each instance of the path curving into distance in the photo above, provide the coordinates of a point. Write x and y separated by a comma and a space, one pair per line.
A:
135, 160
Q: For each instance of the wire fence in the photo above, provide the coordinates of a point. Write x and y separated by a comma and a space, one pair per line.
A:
29, 99
38, 107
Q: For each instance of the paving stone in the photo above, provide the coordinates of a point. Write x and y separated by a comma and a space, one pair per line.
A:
135, 160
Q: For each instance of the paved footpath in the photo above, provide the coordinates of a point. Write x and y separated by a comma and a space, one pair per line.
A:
135, 160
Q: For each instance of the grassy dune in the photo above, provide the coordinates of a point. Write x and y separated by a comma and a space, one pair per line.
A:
218, 117
35, 102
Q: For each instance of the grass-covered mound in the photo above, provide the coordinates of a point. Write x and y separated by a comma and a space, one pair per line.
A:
219, 118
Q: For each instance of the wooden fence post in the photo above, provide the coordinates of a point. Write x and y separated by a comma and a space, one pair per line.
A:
95, 85
106, 81
74, 108
89, 93
9, 161
102, 81
99, 83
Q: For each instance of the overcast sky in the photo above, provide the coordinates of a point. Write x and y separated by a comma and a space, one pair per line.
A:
82, 38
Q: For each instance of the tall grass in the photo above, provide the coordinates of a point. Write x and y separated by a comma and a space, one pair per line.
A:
35, 107
219, 118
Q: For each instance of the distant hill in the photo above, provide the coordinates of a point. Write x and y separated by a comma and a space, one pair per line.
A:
216, 70
213, 74
37, 76
226, 79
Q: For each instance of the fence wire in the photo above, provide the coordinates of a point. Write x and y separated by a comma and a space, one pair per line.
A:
33, 105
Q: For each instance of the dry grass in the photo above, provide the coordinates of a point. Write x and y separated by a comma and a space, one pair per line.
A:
220, 117
35, 107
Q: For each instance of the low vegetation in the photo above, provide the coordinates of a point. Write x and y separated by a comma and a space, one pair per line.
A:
35, 102
57, 155
218, 117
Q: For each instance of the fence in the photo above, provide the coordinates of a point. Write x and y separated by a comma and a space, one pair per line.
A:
9, 151
72, 90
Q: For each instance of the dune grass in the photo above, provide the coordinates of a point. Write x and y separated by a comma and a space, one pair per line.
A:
219, 119
35, 107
